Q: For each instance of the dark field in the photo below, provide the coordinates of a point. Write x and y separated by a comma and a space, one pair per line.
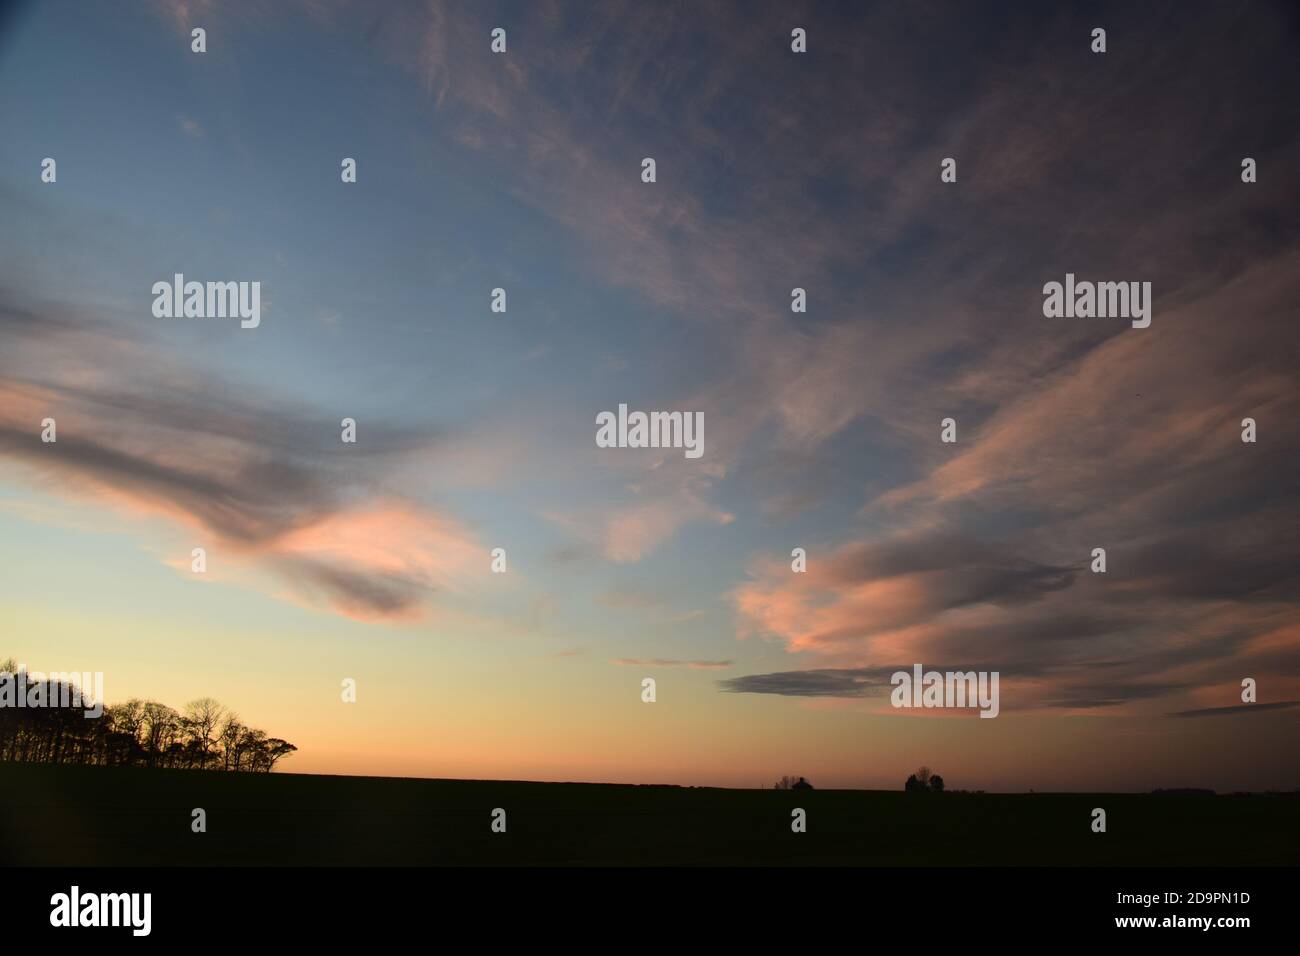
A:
79, 816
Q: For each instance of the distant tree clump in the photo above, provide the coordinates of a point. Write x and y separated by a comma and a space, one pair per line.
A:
137, 733
924, 781
792, 783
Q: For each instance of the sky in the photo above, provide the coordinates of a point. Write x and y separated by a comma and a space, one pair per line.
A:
774, 170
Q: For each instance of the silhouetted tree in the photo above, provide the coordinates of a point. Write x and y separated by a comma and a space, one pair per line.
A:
231, 732
276, 749
801, 784
160, 727
924, 781
204, 716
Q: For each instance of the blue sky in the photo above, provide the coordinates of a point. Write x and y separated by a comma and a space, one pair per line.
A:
476, 430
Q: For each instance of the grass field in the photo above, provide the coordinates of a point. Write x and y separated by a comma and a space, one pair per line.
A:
79, 816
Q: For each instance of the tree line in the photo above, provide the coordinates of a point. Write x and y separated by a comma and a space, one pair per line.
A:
923, 781
137, 733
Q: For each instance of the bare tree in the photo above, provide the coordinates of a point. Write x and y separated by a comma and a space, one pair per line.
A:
159, 727
128, 718
252, 749
231, 733
203, 717
277, 749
